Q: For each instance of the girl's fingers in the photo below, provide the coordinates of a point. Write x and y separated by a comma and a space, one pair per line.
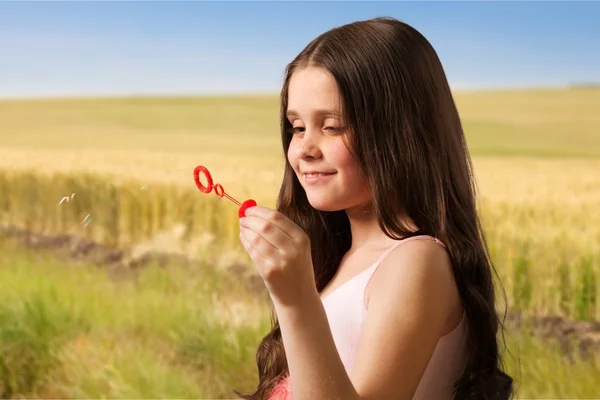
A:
271, 234
258, 248
287, 226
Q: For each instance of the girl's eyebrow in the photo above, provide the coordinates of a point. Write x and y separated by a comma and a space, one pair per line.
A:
321, 112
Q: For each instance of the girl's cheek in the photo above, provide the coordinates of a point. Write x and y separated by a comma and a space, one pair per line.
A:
341, 158
291, 156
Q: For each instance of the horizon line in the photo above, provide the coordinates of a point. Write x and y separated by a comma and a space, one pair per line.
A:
107, 96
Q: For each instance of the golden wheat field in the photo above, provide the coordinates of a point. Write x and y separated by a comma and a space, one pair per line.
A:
536, 155
129, 164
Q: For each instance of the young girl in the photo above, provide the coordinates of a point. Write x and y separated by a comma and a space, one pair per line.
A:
375, 258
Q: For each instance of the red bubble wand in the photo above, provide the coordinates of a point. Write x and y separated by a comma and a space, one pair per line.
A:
219, 190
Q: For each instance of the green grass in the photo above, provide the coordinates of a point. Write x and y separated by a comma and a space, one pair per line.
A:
540, 122
69, 330
541, 371
552, 122
180, 125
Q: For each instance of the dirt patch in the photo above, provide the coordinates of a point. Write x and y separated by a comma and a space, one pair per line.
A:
121, 264
571, 336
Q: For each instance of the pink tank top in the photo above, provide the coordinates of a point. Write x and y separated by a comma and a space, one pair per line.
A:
346, 313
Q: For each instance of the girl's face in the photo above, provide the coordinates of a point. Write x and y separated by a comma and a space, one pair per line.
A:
319, 143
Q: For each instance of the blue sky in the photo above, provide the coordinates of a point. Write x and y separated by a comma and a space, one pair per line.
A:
123, 48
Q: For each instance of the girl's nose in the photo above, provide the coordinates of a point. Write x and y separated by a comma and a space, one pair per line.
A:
309, 147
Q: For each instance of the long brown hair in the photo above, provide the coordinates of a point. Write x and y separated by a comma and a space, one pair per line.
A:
406, 135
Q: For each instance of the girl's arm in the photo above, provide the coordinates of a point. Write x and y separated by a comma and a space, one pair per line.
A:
413, 293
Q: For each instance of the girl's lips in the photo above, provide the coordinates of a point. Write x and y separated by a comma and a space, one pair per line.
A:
316, 178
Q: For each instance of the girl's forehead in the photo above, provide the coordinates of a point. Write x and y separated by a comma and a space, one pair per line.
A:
312, 90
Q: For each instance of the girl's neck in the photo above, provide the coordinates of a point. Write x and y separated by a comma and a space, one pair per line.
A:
365, 230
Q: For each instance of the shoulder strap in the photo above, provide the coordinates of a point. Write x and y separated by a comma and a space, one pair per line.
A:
385, 253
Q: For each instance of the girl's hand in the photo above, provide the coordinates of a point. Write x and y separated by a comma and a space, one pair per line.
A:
281, 252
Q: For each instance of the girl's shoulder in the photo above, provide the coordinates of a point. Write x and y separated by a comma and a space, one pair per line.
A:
418, 265
413, 303
421, 244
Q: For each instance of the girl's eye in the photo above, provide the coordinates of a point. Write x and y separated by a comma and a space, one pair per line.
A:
301, 129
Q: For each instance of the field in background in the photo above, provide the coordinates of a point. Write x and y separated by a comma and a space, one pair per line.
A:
536, 156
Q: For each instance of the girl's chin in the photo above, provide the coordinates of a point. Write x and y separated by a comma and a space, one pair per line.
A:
322, 203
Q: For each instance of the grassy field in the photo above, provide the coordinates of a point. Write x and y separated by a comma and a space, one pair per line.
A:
130, 163
70, 331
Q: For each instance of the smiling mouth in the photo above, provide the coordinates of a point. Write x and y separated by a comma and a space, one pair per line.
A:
314, 175
317, 178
